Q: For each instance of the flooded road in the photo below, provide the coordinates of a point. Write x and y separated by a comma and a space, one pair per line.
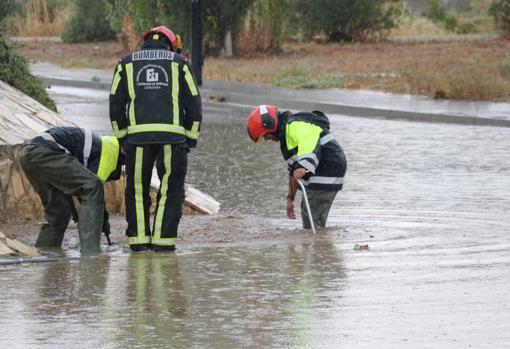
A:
430, 200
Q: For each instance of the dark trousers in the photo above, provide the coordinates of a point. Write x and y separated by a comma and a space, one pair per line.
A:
55, 176
320, 203
171, 165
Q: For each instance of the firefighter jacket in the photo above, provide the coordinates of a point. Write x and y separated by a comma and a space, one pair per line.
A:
305, 142
154, 98
98, 154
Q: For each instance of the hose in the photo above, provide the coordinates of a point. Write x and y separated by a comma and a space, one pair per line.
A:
10, 261
307, 204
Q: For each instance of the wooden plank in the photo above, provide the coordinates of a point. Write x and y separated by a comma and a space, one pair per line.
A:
4, 249
194, 198
22, 248
200, 201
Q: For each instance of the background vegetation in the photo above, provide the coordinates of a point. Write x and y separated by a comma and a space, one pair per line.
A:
295, 43
14, 70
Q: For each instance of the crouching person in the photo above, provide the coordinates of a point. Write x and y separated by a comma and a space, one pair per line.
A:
69, 161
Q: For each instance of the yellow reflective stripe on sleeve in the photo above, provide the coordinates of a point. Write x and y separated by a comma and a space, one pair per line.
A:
175, 92
164, 241
167, 159
131, 91
118, 133
193, 133
156, 128
140, 216
189, 79
116, 80
109, 157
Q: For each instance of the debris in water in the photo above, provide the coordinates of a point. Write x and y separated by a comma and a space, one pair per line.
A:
361, 247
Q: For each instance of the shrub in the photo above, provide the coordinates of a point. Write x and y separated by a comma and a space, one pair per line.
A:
263, 27
346, 20
88, 22
500, 11
39, 18
7, 8
440, 15
14, 70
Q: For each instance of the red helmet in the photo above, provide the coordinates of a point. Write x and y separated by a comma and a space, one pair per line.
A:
262, 119
167, 33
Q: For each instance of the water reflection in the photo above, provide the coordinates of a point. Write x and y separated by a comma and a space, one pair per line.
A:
264, 296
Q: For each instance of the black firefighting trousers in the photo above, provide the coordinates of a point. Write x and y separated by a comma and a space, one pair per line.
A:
171, 164
55, 175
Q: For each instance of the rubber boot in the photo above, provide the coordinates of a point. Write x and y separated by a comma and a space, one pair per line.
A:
89, 227
50, 236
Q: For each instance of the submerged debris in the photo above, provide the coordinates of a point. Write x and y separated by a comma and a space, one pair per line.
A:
361, 247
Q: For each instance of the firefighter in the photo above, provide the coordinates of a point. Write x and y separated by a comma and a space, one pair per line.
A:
155, 111
312, 154
69, 161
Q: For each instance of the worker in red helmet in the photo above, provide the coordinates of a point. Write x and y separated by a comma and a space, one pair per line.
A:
312, 154
155, 111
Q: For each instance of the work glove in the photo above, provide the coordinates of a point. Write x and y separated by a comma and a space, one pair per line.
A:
192, 143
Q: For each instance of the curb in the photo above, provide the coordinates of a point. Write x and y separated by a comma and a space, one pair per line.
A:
245, 96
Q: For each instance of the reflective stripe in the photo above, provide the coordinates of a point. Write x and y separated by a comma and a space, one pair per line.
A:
109, 157
292, 160
325, 180
307, 165
164, 241
175, 92
131, 91
50, 138
190, 81
140, 216
116, 80
118, 133
167, 159
136, 240
327, 138
263, 109
311, 156
87, 146
156, 128
193, 133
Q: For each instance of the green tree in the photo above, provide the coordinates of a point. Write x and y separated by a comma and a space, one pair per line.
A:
89, 22
500, 11
345, 20
14, 70
219, 17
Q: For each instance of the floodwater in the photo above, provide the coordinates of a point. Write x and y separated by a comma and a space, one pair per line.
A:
430, 200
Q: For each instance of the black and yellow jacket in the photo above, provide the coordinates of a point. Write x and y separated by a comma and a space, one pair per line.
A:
99, 154
305, 142
154, 98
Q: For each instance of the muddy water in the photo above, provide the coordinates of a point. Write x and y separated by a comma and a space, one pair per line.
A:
431, 201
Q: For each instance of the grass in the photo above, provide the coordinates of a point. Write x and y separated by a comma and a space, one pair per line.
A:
307, 77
